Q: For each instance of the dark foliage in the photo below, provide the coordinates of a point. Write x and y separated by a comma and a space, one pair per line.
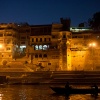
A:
94, 22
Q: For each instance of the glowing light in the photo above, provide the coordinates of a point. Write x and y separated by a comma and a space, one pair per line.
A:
22, 46
1, 46
69, 68
92, 44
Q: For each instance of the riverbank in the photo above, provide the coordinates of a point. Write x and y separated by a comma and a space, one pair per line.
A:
52, 77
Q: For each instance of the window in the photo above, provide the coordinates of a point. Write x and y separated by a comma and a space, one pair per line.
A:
36, 39
36, 47
40, 55
45, 55
45, 47
40, 39
40, 47
49, 63
8, 48
36, 56
74, 36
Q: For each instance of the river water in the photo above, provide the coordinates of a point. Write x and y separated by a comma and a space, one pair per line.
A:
36, 92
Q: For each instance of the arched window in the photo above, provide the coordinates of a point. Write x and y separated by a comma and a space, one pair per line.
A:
40, 47
40, 55
36, 56
45, 55
36, 47
45, 47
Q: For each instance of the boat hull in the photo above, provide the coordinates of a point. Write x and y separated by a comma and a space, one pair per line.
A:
61, 90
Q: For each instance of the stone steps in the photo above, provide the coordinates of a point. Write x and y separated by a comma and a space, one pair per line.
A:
76, 77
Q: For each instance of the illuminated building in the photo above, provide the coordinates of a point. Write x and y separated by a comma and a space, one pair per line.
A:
23, 37
84, 56
50, 47
8, 41
39, 45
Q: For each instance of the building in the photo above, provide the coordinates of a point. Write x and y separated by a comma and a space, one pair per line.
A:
85, 49
50, 47
38, 50
23, 37
8, 41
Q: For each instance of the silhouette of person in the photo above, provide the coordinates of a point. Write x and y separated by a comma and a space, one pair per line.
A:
67, 89
96, 89
67, 86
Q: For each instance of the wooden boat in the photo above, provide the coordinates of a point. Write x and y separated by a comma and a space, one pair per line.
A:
62, 90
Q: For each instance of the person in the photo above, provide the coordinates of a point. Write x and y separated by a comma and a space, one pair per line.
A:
67, 86
96, 89
67, 89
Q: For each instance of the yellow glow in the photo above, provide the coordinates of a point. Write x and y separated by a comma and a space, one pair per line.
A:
92, 44
1, 45
69, 68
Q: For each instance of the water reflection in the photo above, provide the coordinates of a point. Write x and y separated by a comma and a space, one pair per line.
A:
1, 95
37, 92
75, 97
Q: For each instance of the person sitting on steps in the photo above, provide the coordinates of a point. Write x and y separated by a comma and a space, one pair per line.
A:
67, 86
96, 89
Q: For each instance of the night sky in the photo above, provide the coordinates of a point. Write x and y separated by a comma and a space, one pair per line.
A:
39, 12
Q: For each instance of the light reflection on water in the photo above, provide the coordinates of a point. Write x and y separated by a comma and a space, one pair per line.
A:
36, 92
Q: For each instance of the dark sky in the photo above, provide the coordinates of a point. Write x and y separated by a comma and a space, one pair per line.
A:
38, 12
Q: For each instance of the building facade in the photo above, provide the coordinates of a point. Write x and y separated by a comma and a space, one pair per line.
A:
50, 47
8, 41
85, 49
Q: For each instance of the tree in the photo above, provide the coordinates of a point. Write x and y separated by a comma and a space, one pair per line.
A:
94, 22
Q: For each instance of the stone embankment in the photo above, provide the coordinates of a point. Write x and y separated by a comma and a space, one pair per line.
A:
53, 77
76, 77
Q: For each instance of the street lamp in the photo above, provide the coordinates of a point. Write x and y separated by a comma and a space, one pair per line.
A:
92, 45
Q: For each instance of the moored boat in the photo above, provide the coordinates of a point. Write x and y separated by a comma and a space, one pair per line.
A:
63, 90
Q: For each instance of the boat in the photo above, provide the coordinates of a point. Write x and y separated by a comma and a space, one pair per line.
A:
63, 90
